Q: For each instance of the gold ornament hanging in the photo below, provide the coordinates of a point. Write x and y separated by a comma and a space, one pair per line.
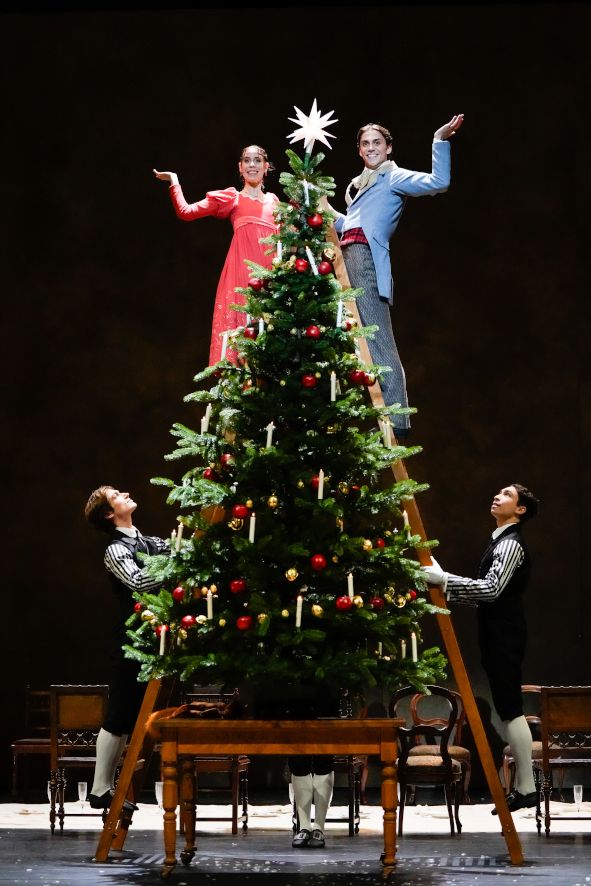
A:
262, 617
147, 615
317, 610
367, 544
343, 487
335, 558
236, 524
213, 589
300, 484
291, 574
201, 619
222, 622
249, 503
358, 601
182, 634
285, 613
273, 501
400, 601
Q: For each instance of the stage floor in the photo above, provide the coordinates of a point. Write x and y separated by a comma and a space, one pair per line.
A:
427, 854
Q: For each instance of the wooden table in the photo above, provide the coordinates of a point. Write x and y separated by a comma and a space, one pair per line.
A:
184, 739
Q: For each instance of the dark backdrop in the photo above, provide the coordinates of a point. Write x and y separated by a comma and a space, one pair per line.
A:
108, 297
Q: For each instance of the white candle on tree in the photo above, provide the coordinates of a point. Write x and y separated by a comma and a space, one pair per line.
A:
320, 484
162, 638
209, 604
406, 524
403, 649
333, 387
224, 345
179, 536
173, 542
299, 604
413, 645
279, 250
350, 585
313, 264
251, 528
270, 428
339, 313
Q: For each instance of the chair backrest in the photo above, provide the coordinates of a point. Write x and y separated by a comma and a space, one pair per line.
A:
566, 722
76, 716
438, 733
420, 701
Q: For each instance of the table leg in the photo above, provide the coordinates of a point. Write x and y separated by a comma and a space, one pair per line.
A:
389, 802
188, 808
169, 802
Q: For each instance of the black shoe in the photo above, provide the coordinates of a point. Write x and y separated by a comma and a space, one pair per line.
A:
316, 840
105, 800
301, 839
516, 801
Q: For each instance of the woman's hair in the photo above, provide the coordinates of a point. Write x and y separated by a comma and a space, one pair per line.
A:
261, 151
385, 132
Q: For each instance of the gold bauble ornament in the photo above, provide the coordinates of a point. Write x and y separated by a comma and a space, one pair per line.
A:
272, 501
222, 622
147, 615
300, 484
367, 544
388, 532
291, 574
182, 634
400, 601
201, 619
262, 617
333, 429
317, 375
203, 591
388, 598
285, 613
340, 524
358, 601
213, 589
335, 558
317, 610
249, 503
236, 524
391, 589
282, 382
343, 487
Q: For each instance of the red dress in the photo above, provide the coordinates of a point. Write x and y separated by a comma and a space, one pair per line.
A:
251, 220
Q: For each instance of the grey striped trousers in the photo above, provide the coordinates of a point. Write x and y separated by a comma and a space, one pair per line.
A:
374, 310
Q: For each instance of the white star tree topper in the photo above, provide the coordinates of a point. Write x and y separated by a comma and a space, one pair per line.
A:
311, 128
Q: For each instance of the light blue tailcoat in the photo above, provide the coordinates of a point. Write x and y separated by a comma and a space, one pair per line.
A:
378, 209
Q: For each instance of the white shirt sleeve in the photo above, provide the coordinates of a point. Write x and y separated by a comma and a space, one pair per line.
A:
508, 556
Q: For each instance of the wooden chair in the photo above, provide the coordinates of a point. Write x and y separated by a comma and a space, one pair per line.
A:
531, 701
76, 714
429, 770
36, 740
566, 737
236, 767
455, 748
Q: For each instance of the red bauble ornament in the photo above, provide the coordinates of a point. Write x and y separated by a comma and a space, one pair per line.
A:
344, 603
346, 325
255, 284
188, 621
325, 268
318, 562
178, 594
368, 379
315, 482
302, 265
209, 474
309, 381
139, 607
377, 603
315, 220
313, 332
250, 332
380, 543
357, 376
160, 628
244, 622
240, 511
412, 594
227, 460
238, 585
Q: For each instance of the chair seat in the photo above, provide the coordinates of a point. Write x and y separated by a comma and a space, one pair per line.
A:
429, 750
431, 761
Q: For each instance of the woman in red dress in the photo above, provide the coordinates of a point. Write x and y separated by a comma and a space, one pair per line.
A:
251, 213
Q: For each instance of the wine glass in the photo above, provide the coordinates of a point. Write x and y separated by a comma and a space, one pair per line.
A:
82, 789
578, 795
158, 791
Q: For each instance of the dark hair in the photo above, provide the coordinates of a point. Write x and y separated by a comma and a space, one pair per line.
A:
526, 499
261, 151
385, 132
97, 507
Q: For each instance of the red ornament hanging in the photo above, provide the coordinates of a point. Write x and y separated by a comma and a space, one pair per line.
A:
138, 607
313, 332
309, 381
318, 562
160, 628
209, 474
380, 543
251, 332
178, 594
238, 585
315, 220
227, 460
188, 621
344, 603
244, 622
377, 603
315, 482
412, 594
255, 283
357, 376
240, 511
302, 265
325, 268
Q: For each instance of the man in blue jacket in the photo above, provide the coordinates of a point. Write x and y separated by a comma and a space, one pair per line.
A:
375, 200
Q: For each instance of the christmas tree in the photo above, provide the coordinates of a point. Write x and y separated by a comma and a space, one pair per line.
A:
293, 558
